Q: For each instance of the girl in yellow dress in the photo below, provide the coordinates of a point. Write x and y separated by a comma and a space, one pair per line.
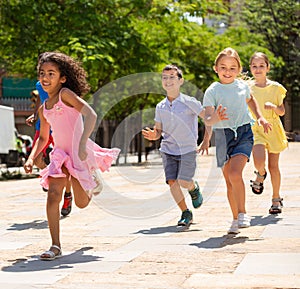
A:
269, 95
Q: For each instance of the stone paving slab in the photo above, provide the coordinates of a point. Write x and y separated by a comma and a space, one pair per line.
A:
241, 281
288, 227
4, 245
34, 277
270, 263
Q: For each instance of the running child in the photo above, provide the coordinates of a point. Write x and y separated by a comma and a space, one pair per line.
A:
42, 160
233, 137
176, 119
74, 156
269, 95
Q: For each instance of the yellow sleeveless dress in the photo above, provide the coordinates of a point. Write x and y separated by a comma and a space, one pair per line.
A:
275, 141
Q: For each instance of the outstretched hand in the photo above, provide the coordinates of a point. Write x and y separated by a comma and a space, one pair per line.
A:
266, 125
149, 133
203, 147
28, 166
217, 115
221, 113
269, 105
30, 120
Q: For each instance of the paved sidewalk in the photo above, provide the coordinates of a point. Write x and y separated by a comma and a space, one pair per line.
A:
127, 237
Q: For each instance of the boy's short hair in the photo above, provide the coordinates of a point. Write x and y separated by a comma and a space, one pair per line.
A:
173, 67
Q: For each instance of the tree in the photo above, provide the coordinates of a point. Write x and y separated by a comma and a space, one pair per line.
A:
116, 39
99, 33
278, 23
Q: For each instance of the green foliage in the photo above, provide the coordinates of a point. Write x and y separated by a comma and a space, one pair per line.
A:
96, 32
246, 43
119, 38
278, 23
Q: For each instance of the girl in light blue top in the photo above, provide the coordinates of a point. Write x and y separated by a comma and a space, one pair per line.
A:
233, 137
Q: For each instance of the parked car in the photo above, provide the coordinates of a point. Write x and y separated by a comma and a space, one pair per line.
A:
14, 147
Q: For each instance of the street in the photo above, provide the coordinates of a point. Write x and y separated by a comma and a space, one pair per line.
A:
127, 237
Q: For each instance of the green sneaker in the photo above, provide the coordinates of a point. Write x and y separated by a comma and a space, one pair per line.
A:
196, 196
186, 218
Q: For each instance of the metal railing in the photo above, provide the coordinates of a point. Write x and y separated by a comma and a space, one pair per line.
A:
18, 103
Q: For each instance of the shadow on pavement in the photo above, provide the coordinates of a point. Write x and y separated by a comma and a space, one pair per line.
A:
167, 229
65, 262
36, 224
265, 220
220, 242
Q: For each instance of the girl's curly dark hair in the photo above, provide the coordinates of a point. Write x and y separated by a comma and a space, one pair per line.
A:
68, 67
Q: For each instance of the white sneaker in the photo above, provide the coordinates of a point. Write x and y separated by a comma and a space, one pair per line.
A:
234, 229
97, 178
243, 220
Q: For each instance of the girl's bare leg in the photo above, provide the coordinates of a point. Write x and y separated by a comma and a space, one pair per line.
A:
273, 160
81, 197
55, 192
56, 186
230, 195
235, 175
259, 159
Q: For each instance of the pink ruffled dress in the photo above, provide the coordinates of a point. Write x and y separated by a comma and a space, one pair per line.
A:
67, 127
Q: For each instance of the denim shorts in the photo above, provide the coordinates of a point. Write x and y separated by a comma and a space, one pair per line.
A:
181, 167
229, 145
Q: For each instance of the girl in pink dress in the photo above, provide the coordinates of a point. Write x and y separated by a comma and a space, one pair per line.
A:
74, 156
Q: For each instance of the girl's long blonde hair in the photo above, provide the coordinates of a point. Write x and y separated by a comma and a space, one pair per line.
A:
229, 52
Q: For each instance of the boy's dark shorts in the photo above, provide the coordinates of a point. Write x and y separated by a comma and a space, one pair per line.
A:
181, 167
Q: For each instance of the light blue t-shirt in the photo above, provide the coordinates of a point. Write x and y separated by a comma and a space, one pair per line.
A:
179, 121
233, 96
